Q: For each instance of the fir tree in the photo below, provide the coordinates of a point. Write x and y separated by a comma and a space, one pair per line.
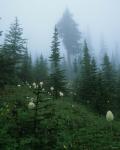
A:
57, 78
14, 46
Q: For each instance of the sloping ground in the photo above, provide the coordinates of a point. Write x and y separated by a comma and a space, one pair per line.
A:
77, 127
82, 130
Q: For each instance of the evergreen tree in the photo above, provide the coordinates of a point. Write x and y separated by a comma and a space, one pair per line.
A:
87, 82
84, 87
64, 66
70, 35
40, 69
94, 84
6, 71
6, 67
57, 78
26, 68
75, 68
109, 81
14, 46
118, 89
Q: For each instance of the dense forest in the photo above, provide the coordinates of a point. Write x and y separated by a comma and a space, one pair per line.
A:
58, 103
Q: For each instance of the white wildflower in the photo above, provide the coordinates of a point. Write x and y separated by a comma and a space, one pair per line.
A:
43, 90
18, 85
109, 116
51, 88
41, 84
31, 105
61, 94
30, 86
34, 85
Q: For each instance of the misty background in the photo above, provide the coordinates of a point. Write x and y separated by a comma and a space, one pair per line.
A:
98, 21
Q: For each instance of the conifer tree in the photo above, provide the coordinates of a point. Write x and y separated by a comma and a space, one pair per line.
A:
40, 69
70, 34
108, 84
26, 68
85, 77
6, 67
14, 46
57, 77
94, 84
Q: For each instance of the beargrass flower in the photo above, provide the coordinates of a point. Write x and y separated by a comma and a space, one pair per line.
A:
43, 90
34, 85
109, 116
61, 94
65, 147
41, 84
51, 88
31, 105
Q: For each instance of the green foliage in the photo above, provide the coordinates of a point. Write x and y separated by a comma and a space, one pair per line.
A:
97, 88
107, 87
26, 68
87, 78
6, 71
61, 124
12, 52
40, 69
57, 77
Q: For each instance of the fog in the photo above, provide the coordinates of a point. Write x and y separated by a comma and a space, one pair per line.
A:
96, 18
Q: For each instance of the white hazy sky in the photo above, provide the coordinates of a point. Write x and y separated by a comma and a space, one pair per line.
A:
38, 17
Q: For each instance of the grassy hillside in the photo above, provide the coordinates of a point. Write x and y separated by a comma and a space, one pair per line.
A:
84, 130
76, 127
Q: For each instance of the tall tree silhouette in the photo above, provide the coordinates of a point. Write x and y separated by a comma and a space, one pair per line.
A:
70, 35
57, 76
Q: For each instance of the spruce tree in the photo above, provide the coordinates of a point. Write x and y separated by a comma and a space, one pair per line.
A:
14, 46
57, 77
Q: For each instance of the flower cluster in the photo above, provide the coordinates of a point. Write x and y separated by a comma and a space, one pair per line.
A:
109, 116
